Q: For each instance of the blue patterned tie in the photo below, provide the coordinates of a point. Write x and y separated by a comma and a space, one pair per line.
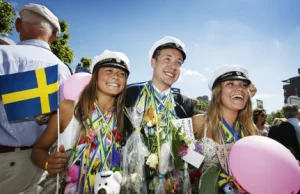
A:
162, 95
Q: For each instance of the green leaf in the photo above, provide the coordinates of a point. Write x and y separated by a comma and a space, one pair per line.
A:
209, 181
162, 124
177, 142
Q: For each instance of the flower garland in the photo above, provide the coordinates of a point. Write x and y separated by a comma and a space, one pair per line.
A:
98, 149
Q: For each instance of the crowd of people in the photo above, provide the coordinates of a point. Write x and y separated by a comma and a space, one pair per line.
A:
84, 141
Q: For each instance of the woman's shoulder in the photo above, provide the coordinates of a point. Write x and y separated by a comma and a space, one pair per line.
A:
199, 122
66, 104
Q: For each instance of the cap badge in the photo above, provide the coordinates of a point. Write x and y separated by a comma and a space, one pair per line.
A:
118, 60
238, 73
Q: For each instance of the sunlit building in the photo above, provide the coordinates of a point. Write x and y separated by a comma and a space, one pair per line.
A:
291, 87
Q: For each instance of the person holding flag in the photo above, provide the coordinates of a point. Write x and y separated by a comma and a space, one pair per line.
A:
229, 118
30, 77
90, 129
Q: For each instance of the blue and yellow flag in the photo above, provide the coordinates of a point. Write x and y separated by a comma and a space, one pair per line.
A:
30, 93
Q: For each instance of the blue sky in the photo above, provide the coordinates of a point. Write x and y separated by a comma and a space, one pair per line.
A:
261, 35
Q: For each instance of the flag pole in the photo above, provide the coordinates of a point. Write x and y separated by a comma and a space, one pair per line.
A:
58, 144
58, 129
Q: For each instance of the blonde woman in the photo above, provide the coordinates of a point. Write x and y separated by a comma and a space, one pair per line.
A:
229, 118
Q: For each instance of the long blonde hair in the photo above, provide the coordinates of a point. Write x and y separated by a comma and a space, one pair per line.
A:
214, 116
83, 109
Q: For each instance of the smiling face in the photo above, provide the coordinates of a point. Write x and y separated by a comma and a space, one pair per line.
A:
234, 95
111, 81
166, 68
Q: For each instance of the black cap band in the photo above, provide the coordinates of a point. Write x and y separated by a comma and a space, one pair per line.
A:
170, 45
233, 75
112, 62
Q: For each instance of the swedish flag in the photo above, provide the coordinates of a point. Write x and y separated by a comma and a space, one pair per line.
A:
30, 93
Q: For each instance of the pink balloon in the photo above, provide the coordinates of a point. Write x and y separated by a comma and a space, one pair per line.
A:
75, 84
263, 166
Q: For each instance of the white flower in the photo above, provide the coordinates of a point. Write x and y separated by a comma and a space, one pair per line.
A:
149, 124
152, 161
183, 134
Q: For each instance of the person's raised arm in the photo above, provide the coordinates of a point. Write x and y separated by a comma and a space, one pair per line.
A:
40, 156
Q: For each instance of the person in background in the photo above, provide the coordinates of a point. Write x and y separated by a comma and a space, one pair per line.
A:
285, 132
37, 27
229, 118
259, 118
291, 112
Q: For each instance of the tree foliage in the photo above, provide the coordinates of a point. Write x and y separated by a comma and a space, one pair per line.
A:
200, 105
273, 115
85, 63
7, 18
60, 46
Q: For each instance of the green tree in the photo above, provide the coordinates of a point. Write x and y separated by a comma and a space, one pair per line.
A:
200, 105
60, 46
273, 115
7, 18
85, 63
203, 105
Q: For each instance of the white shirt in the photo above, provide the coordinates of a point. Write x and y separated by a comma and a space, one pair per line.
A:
165, 93
26, 56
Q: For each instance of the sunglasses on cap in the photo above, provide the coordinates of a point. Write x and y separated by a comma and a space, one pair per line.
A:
263, 115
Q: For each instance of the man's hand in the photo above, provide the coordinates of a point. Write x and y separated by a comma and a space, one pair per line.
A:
252, 90
56, 161
42, 119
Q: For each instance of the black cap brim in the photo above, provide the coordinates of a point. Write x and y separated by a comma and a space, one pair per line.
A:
236, 78
172, 46
112, 63
231, 77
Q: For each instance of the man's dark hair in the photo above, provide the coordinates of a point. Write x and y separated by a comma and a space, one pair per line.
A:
290, 111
